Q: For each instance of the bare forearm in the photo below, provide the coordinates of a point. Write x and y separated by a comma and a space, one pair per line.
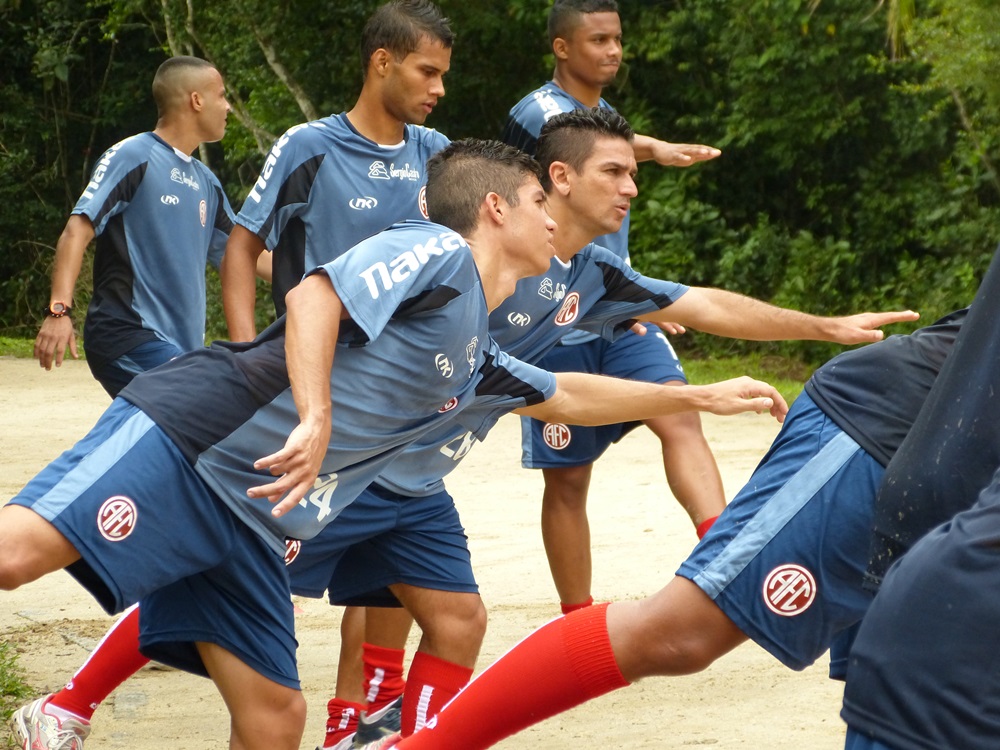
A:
70, 249
727, 314
723, 313
239, 285
311, 329
593, 399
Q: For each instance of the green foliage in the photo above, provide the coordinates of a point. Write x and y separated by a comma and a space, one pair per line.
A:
848, 180
787, 375
13, 690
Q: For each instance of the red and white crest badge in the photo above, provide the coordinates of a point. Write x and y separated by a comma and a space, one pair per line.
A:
450, 404
292, 549
789, 590
570, 309
557, 436
203, 212
422, 201
117, 517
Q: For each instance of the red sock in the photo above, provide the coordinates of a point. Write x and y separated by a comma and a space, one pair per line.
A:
342, 720
563, 664
704, 526
431, 683
567, 608
383, 675
115, 659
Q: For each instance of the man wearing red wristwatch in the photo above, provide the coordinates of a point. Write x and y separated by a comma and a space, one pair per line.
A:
159, 216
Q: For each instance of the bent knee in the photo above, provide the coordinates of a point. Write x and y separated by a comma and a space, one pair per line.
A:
462, 625
30, 547
276, 723
681, 426
683, 655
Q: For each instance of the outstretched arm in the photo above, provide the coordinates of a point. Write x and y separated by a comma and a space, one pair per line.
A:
56, 334
669, 154
311, 328
727, 314
595, 399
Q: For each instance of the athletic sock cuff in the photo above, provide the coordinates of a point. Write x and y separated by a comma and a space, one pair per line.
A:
567, 608
383, 656
588, 649
704, 526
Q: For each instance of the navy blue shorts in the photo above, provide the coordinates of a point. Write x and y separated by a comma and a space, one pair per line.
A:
384, 538
648, 358
857, 741
144, 521
118, 373
785, 560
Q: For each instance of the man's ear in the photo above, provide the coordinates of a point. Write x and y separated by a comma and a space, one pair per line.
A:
494, 207
560, 48
380, 60
559, 174
196, 101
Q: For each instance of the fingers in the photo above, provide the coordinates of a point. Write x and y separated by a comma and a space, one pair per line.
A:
687, 154
55, 335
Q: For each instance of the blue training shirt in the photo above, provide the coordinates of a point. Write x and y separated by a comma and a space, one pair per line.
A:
325, 187
524, 125
596, 291
160, 217
415, 353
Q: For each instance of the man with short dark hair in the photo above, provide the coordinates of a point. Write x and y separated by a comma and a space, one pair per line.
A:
160, 216
324, 186
379, 346
586, 41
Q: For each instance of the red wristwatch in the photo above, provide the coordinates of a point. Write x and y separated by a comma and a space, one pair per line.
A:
58, 310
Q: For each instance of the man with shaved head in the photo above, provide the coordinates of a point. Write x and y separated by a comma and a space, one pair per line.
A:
159, 216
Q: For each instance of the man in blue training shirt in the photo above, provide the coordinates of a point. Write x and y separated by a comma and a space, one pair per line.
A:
160, 216
586, 42
402, 540
328, 184
324, 186
783, 567
177, 462
921, 672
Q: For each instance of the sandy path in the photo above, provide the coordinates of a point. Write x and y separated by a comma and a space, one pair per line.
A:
746, 700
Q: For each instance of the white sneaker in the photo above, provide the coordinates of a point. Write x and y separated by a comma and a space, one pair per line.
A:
35, 729
385, 721
347, 743
388, 741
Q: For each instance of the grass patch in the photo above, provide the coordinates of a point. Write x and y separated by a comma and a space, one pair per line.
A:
785, 374
13, 690
16, 347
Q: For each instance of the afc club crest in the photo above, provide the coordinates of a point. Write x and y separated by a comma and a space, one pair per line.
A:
557, 436
116, 518
422, 202
570, 309
203, 212
789, 590
292, 549
450, 404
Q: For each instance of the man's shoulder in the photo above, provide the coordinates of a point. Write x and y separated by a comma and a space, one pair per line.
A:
595, 252
426, 138
134, 147
542, 103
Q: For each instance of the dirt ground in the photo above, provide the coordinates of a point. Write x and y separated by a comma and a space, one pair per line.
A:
746, 700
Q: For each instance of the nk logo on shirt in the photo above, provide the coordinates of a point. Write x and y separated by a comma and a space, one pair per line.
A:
382, 276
